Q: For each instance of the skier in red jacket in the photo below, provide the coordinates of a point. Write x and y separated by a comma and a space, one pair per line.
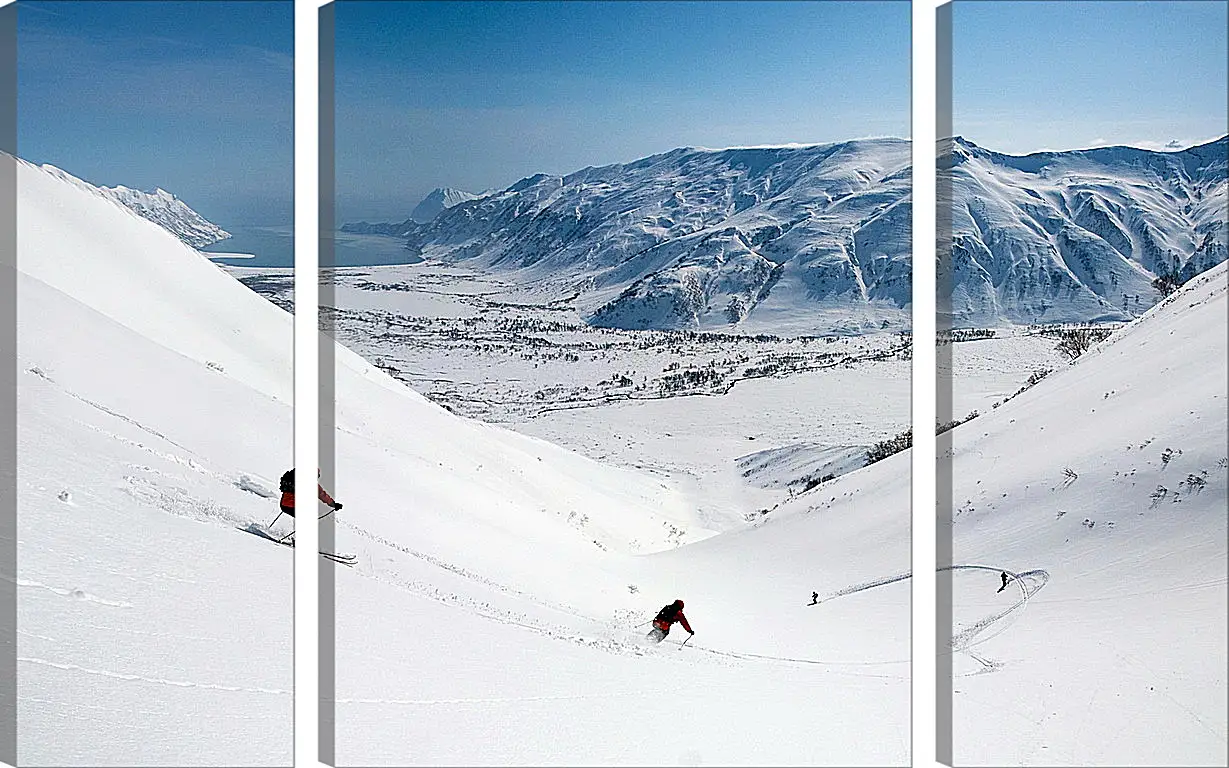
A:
665, 617
287, 502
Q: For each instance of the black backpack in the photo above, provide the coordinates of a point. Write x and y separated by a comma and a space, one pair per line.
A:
287, 484
668, 614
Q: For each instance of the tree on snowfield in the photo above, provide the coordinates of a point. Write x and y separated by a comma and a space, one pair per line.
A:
1167, 283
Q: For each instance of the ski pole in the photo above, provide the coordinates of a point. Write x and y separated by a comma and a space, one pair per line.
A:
688, 640
279, 517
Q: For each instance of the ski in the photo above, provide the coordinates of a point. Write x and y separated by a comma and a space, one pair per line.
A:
337, 557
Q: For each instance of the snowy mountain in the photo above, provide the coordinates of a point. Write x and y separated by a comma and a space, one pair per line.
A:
817, 239
811, 237
1080, 236
170, 213
159, 206
437, 201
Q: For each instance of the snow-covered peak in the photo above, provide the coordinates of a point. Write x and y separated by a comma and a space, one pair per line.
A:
161, 207
439, 199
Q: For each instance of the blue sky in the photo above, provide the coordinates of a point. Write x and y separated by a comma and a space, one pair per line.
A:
477, 95
193, 97
1031, 76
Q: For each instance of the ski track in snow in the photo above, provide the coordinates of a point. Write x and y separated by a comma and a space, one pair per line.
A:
152, 680
42, 375
962, 641
833, 665
630, 646
504, 616
174, 500
459, 571
1028, 582
78, 594
493, 699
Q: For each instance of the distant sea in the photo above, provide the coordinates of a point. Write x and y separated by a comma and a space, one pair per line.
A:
269, 246
273, 246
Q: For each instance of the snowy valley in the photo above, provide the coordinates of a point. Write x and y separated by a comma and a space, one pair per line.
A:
496, 612
1073, 652
485, 557
779, 502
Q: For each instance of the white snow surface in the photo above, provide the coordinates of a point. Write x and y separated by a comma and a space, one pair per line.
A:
161, 207
154, 418
1111, 647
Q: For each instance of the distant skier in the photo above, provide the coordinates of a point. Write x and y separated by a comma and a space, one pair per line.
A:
665, 617
286, 486
814, 599
1004, 583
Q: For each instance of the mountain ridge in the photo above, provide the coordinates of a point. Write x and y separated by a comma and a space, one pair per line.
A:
695, 237
817, 238
1080, 236
161, 207
437, 201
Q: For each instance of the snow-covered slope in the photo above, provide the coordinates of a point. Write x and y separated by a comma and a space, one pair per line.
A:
439, 199
154, 417
1080, 236
1104, 488
1109, 644
492, 615
498, 646
805, 238
504, 585
1116, 614
159, 206
496, 613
